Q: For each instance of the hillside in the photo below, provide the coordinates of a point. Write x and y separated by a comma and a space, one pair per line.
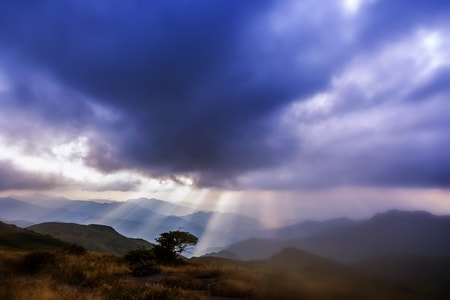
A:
297, 259
13, 237
254, 248
93, 237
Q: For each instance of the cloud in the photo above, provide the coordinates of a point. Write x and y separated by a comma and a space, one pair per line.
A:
374, 126
201, 88
14, 179
191, 81
118, 185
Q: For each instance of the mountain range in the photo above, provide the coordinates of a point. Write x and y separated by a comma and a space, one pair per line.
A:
400, 233
392, 233
139, 218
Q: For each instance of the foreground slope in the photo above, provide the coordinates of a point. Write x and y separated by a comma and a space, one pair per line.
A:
99, 238
13, 237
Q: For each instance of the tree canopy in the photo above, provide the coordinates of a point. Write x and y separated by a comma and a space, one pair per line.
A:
176, 241
172, 243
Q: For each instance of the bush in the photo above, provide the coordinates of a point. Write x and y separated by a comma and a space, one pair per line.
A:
37, 261
164, 256
142, 262
72, 274
75, 249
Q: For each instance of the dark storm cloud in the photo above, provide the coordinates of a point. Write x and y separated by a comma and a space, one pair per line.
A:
13, 179
197, 92
197, 85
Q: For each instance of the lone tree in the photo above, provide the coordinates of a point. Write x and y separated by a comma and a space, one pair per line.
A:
171, 244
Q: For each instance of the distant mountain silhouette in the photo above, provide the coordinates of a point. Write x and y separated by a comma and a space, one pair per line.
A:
223, 254
255, 248
391, 233
163, 207
307, 228
13, 209
93, 237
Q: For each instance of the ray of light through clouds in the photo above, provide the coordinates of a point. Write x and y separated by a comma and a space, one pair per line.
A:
280, 110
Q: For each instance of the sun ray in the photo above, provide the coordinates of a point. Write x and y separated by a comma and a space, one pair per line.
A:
221, 228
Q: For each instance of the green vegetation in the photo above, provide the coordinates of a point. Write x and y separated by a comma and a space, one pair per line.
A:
142, 262
98, 238
170, 245
13, 237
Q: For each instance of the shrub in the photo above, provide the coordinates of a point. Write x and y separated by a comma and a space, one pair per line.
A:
72, 274
142, 262
75, 249
36, 261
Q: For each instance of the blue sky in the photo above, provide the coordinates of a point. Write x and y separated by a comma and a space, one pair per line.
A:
187, 100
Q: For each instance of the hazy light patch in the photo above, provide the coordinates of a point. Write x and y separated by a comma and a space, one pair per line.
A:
266, 206
280, 208
198, 200
434, 48
351, 7
220, 229
176, 195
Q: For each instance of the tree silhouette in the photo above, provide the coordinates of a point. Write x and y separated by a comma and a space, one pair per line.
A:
171, 244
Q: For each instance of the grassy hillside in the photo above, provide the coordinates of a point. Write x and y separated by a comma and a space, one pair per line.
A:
97, 276
13, 237
93, 237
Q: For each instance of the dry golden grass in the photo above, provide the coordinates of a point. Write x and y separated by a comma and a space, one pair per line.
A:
103, 277
25, 288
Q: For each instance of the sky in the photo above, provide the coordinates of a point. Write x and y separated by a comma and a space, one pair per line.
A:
287, 109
